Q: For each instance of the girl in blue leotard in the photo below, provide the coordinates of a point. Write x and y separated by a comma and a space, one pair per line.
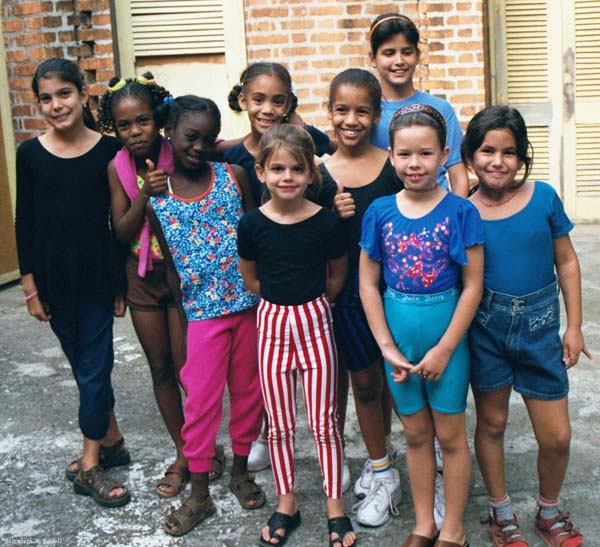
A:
515, 335
427, 242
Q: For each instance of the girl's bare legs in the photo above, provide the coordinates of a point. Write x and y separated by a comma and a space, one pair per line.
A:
550, 420
420, 460
492, 417
452, 434
159, 332
113, 434
368, 389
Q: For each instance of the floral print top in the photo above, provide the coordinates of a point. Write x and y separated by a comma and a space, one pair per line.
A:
421, 255
202, 236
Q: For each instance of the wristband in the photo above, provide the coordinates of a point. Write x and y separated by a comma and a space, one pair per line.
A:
29, 296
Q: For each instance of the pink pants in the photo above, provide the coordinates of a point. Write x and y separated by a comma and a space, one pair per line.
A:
220, 351
300, 338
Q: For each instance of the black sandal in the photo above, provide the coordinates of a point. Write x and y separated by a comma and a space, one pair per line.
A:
340, 526
280, 520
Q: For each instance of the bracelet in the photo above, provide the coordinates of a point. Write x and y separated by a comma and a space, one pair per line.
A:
28, 297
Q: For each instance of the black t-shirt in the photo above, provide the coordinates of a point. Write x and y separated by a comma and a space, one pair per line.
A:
291, 258
62, 223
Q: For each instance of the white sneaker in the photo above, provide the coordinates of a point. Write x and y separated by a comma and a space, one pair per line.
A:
439, 460
439, 501
346, 478
383, 497
363, 483
259, 457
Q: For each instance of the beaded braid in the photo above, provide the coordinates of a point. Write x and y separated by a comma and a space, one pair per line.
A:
143, 87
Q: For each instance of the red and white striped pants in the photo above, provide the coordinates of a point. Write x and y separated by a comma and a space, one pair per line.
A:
300, 338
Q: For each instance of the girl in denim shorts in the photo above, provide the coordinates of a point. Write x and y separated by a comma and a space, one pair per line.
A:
514, 338
427, 243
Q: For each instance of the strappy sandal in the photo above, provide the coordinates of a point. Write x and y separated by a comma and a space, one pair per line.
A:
557, 536
504, 532
340, 526
191, 513
115, 455
96, 484
175, 478
217, 463
281, 521
248, 493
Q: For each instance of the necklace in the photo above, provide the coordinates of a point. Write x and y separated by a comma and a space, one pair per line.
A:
421, 190
497, 203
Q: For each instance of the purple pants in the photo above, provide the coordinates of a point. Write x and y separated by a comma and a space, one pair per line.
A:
221, 351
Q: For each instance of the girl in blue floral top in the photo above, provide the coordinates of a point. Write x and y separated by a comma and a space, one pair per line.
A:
427, 242
196, 224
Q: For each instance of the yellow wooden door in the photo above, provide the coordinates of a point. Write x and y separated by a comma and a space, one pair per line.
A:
545, 61
582, 116
9, 269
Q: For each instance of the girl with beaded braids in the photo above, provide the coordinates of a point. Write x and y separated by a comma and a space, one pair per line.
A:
134, 110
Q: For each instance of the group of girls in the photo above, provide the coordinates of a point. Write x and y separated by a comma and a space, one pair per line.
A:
431, 290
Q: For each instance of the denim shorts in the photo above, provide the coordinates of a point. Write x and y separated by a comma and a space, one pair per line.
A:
417, 322
515, 341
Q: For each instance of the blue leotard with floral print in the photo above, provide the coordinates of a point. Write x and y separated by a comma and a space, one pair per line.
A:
421, 255
201, 234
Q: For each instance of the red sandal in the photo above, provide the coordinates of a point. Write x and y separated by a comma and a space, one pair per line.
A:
502, 537
564, 535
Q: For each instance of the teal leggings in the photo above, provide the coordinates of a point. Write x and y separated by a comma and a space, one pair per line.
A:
417, 322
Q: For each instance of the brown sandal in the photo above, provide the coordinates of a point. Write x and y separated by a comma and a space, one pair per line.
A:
217, 463
180, 521
248, 493
175, 478
115, 455
96, 484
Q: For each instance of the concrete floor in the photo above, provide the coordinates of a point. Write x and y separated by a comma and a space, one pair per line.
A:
39, 436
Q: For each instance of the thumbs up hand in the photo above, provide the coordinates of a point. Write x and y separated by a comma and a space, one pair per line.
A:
343, 202
155, 181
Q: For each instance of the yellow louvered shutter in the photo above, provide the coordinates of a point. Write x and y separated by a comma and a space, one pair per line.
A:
587, 107
545, 61
527, 76
177, 27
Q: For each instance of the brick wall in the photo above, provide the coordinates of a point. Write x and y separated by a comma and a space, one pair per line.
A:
316, 39
79, 30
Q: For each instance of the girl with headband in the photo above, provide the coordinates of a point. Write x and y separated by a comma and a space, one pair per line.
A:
428, 244
394, 53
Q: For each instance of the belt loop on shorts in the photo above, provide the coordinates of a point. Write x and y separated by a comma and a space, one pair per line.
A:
486, 300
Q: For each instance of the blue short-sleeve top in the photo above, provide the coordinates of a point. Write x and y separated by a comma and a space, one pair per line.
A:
421, 255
